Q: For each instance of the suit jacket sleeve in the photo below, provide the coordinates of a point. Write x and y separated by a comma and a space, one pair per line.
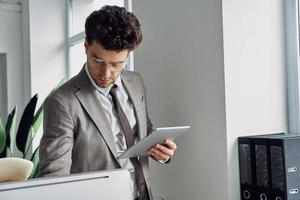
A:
149, 126
57, 140
149, 123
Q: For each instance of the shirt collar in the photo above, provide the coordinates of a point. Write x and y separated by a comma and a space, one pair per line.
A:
104, 91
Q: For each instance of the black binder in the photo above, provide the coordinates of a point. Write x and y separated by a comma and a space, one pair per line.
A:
285, 166
277, 165
263, 188
247, 171
277, 170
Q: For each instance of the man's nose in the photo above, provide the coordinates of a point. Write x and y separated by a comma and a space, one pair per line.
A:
106, 71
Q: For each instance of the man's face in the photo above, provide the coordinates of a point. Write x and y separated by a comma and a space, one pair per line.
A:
104, 65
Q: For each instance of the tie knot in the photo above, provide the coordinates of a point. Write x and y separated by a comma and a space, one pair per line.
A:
113, 89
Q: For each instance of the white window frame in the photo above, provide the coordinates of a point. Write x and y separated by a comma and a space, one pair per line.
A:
73, 40
292, 63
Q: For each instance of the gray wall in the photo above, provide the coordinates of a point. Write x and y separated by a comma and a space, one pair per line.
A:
181, 60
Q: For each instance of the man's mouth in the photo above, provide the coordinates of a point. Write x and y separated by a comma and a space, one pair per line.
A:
104, 79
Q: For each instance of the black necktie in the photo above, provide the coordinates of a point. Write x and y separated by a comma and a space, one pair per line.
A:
140, 179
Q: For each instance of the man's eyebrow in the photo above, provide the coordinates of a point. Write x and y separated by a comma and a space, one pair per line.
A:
116, 62
96, 56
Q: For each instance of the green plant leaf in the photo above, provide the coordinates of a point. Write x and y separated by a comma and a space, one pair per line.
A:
37, 120
25, 124
10, 130
36, 163
2, 137
36, 171
28, 143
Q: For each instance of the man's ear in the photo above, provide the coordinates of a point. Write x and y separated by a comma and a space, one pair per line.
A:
86, 46
129, 51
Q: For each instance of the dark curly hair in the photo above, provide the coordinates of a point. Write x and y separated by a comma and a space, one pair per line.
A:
114, 28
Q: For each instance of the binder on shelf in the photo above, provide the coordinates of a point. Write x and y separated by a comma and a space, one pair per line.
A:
263, 189
277, 170
284, 166
277, 163
248, 170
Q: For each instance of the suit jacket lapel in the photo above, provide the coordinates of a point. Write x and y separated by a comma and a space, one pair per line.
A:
135, 91
87, 96
137, 98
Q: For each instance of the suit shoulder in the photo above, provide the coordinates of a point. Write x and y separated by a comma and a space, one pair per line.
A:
132, 75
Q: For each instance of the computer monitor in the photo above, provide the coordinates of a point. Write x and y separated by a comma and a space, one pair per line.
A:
105, 185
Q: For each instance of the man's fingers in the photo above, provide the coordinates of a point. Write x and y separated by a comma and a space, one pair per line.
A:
171, 144
165, 150
158, 154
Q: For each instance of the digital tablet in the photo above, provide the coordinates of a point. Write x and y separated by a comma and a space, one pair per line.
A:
157, 137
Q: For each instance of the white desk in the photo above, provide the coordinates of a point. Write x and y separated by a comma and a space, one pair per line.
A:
104, 185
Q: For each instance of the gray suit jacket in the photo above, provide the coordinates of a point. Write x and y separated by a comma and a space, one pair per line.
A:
77, 135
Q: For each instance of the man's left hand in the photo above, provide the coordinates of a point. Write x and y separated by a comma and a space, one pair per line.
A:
163, 151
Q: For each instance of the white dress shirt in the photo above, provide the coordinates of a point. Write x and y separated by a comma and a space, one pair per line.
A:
108, 107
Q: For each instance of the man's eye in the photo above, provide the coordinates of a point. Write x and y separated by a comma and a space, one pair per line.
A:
116, 65
98, 61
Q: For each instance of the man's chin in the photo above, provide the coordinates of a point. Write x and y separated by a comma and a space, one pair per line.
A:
104, 84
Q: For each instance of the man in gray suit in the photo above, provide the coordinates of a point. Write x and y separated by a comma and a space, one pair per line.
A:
91, 119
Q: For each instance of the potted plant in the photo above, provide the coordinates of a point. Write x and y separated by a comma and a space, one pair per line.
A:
11, 167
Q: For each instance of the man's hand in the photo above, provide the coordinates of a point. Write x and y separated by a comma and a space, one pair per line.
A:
163, 151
